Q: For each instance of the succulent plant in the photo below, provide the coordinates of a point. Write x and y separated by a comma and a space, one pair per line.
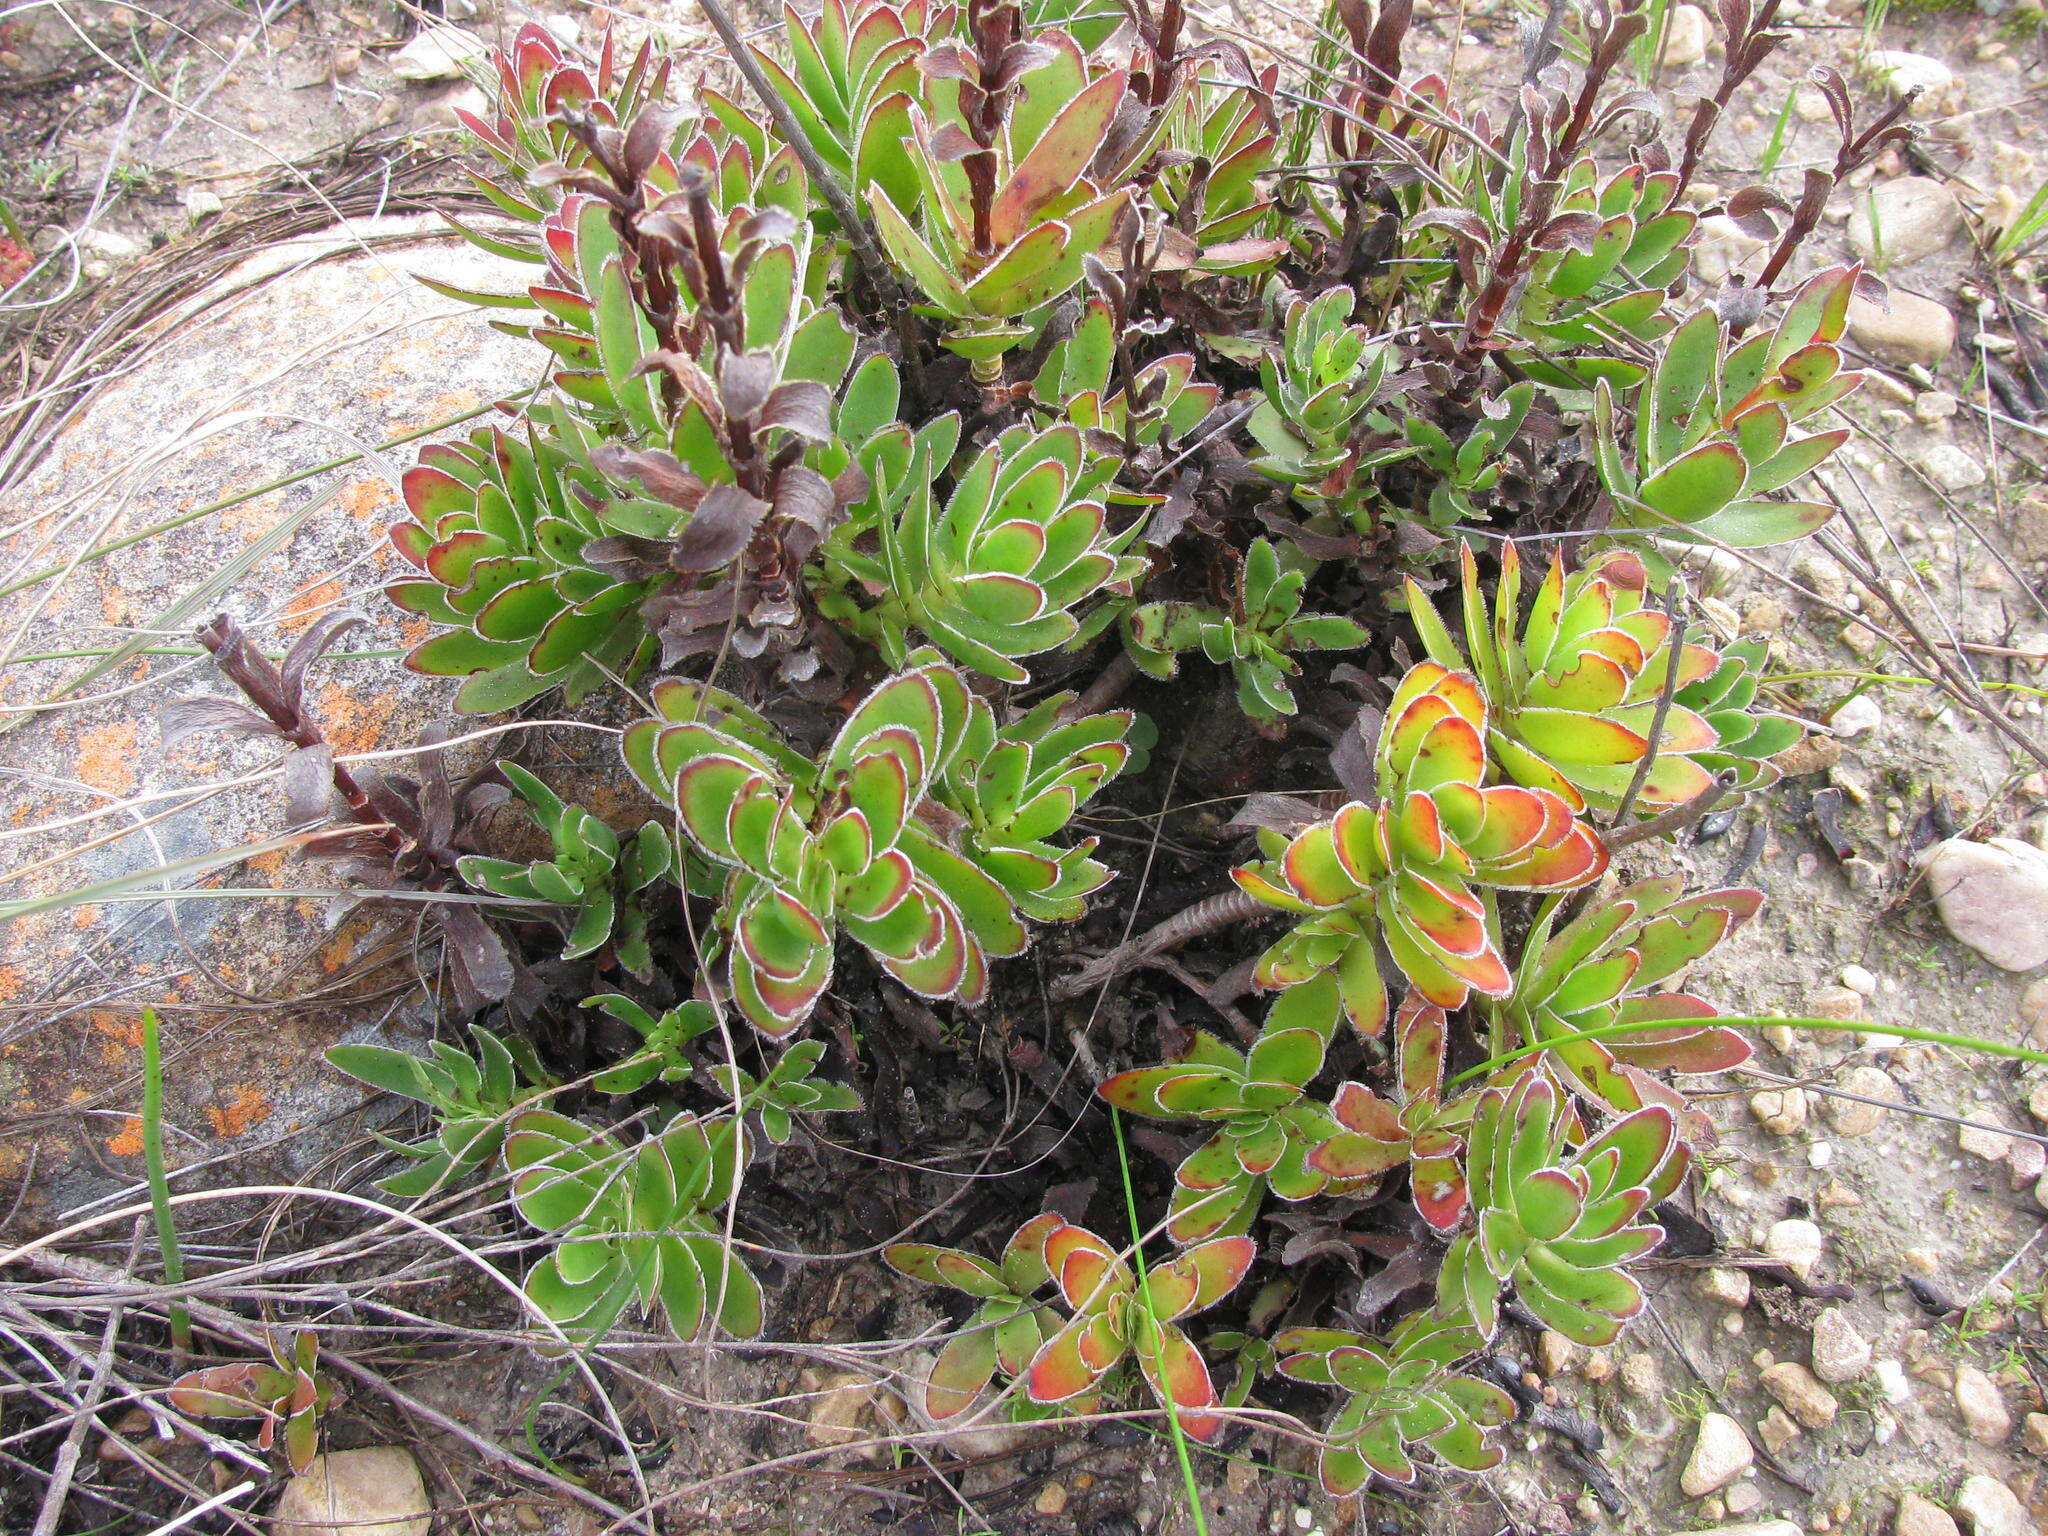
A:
790, 1087
540, 90
1256, 638
1015, 787
1556, 1222
1403, 1391
633, 1227
1747, 738
1129, 417
661, 1056
1421, 1126
1606, 969
1220, 147
286, 1390
1465, 471
848, 76
1116, 1315
473, 1099
1007, 1329
1715, 436
592, 877
500, 534
998, 572
1574, 699
1417, 870
1018, 161
1603, 264
811, 848
1266, 1126
1316, 421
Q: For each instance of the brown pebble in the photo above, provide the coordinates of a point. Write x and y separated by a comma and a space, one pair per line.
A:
1052, 1498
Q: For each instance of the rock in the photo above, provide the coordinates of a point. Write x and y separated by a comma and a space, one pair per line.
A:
1836, 1003
199, 203
1776, 1430
1906, 330
1724, 246
110, 243
1985, 1145
1899, 72
1554, 1352
438, 53
1851, 1118
2033, 1019
1642, 1378
1781, 1111
1796, 1244
1686, 35
1993, 896
1730, 1287
1900, 222
1921, 1517
1824, 578
1858, 717
373, 1492
2037, 1102
1051, 1500
305, 350
839, 1409
2034, 1434
1720, 1454
1982, 1406
1935, 406
1952, 468
1891, 1380
440, 109
1839, 1353
1989, 1508
1746, 1528
1815, 754
1800, 1394
1742, 1498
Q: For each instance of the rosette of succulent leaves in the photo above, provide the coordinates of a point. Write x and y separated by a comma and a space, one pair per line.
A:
899, 396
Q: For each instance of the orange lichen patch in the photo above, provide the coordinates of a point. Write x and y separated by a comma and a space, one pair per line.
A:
126, 1028
253, 518
269, 865
309, 602
367, 500
12, 980
443, 407
117, 604
415, 631
352, 722
84, 917
129, 1142
106, 757
335, 953
246, 1107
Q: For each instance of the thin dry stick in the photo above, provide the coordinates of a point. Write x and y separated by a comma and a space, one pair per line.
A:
66, 1466
1679, 626
65, 1266
1212, 915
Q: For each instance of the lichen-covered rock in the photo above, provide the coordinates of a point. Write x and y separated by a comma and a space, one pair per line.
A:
160, 501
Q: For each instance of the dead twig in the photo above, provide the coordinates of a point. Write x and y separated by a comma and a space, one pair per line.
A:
1226, 909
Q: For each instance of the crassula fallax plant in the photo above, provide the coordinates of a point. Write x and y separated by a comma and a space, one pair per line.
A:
949, 430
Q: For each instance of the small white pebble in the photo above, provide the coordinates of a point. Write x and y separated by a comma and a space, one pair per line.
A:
1819, 1155
1857, 979
1891, 1379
